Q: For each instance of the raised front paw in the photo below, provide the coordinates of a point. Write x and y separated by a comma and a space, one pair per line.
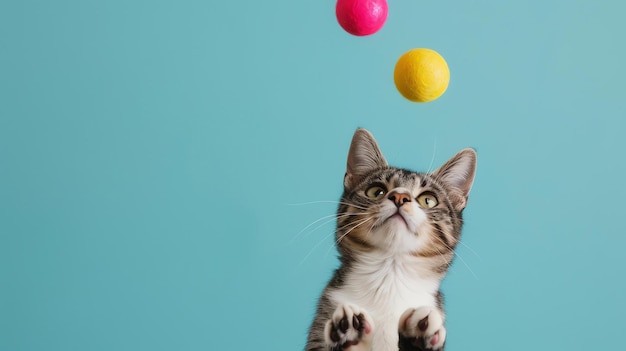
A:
422, 329
350, 328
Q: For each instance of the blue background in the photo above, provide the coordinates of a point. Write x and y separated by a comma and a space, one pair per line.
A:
158, 160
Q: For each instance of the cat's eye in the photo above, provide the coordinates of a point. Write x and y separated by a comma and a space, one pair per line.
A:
427, 200
375, 192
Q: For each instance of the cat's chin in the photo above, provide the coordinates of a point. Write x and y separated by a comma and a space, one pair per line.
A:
394, 236
396, 220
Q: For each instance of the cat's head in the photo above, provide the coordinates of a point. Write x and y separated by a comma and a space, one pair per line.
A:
391, 210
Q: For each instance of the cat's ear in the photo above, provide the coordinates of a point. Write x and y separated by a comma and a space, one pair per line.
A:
458, 175
363, 158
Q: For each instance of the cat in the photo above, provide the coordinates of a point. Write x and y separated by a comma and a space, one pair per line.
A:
396, 232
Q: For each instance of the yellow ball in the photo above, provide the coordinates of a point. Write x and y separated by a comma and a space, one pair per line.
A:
421, 75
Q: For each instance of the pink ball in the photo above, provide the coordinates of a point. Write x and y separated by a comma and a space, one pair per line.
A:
361, 17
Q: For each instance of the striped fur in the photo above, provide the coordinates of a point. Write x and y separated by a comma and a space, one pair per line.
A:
393, 252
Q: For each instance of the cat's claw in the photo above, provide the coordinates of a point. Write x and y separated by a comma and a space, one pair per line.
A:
422, 328
350, 328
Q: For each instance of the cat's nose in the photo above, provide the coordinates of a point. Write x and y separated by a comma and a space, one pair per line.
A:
399, 198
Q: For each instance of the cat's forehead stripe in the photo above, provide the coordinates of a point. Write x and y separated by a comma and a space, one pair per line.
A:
398, 177
389, 177
401, 177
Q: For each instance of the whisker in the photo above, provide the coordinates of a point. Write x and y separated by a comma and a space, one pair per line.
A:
315, 247
353, 205
328, 250
367, 234
348, 225
332, 220
331, 233
353, 228
432, 160
333, 216
335, 243
311, 224
440, 253
471, 250
456, 254
311, 203
466, 265
328, 201
464, 244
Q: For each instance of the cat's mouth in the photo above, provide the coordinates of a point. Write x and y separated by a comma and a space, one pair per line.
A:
398, 216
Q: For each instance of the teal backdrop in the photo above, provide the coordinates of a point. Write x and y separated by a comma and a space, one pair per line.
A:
161, 162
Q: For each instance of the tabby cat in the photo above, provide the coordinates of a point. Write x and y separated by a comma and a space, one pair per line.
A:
396, 232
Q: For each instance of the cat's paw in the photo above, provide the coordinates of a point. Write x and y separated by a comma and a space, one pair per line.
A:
350, 328
422, 329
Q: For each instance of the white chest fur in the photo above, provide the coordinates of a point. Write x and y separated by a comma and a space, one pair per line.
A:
385, 287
